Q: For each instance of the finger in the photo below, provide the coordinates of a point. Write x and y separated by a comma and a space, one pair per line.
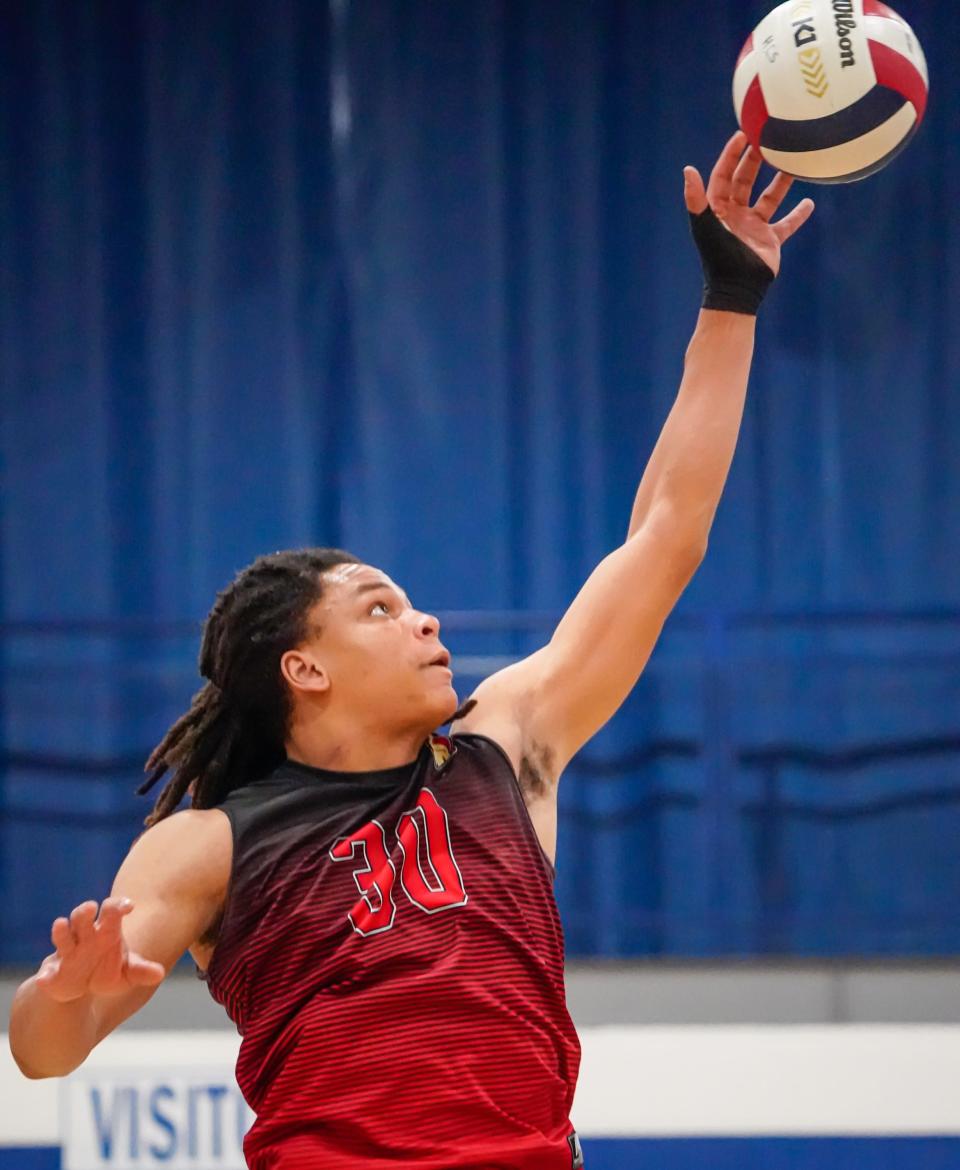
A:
721, 177
62, 937
793, 221
144, 972
112, 913
81, 921
49, 970
693, 193
745, 176
766, 206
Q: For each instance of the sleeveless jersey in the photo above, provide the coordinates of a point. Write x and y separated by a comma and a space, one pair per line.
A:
392, 956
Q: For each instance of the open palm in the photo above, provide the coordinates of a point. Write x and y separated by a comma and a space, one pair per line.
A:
91, 957
728, 194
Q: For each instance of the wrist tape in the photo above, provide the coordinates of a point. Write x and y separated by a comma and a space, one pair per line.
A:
735, 278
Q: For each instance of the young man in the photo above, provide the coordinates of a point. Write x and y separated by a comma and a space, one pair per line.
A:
373, 904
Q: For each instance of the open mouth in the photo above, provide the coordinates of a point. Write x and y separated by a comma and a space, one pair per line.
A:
442, 659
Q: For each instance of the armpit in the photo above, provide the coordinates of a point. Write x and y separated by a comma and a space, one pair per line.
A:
210, 937
536, 774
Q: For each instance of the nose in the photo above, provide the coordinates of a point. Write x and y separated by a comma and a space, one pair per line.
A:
427, 625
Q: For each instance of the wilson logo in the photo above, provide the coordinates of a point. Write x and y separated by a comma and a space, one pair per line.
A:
843, 16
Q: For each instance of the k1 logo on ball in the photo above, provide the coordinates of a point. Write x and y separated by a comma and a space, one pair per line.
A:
129, 1120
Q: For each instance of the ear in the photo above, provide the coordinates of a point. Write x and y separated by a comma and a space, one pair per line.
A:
304, 672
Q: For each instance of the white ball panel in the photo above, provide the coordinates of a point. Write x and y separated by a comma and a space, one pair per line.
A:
897, 34
743, 77
849, 158
809, 80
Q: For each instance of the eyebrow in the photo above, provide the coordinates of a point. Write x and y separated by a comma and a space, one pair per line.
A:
372, 586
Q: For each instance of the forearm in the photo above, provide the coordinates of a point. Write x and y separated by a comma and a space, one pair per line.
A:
691, 461
50, 1039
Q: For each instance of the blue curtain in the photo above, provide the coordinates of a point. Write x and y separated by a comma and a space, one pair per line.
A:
415, 279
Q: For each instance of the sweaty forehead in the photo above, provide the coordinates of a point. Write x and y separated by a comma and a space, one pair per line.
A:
351, 580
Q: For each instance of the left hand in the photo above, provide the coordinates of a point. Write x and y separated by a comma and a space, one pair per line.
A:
728, 193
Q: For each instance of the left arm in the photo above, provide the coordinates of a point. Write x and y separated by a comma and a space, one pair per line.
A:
547, 706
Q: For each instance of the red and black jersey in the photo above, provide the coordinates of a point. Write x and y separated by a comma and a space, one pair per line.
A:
392, 955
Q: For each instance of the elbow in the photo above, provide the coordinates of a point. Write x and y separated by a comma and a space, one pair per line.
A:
693, 549
688, 554
683, 535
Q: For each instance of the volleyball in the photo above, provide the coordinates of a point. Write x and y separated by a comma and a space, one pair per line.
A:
831, 90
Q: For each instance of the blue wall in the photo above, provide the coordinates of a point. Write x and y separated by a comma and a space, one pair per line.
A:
415, 279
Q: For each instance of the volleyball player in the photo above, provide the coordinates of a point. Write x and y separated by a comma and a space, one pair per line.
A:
372, 903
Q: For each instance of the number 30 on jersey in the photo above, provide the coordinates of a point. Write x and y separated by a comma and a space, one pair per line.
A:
429, 874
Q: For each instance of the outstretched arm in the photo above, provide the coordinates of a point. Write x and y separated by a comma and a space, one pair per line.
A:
547, 706
690, 463
108, 960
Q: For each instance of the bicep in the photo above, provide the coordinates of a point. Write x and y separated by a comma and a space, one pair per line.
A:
176, 876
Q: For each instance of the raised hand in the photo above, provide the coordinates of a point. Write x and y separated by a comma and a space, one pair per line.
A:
91, 957
728, 194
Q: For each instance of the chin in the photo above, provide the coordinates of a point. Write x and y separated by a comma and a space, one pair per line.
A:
429, 707
443, 706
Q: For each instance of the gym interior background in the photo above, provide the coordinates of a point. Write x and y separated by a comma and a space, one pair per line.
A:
414, 278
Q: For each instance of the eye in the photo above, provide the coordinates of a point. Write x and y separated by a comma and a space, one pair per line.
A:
380, 605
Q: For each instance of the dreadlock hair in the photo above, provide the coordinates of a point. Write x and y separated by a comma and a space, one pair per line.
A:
235, 729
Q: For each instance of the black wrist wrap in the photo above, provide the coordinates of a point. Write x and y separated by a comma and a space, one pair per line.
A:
735, 278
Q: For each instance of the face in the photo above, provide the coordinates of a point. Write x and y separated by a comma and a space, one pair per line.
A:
371, 650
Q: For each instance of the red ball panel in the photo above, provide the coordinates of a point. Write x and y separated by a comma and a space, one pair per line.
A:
876, 8
896, 72
754, 114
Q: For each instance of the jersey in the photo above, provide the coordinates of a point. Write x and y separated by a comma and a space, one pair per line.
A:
391, 953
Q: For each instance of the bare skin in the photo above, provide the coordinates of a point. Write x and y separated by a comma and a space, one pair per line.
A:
109, 960
372, 680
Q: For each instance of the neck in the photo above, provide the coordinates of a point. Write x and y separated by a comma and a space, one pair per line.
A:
352, 748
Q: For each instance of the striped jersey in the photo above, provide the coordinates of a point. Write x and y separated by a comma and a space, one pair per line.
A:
392, 956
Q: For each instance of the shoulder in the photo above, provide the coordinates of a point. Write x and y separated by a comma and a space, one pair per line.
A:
503, 704
499, 710
176, 874
190, 851
532, 765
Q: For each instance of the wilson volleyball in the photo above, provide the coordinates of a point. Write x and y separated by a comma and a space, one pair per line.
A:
831, 90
